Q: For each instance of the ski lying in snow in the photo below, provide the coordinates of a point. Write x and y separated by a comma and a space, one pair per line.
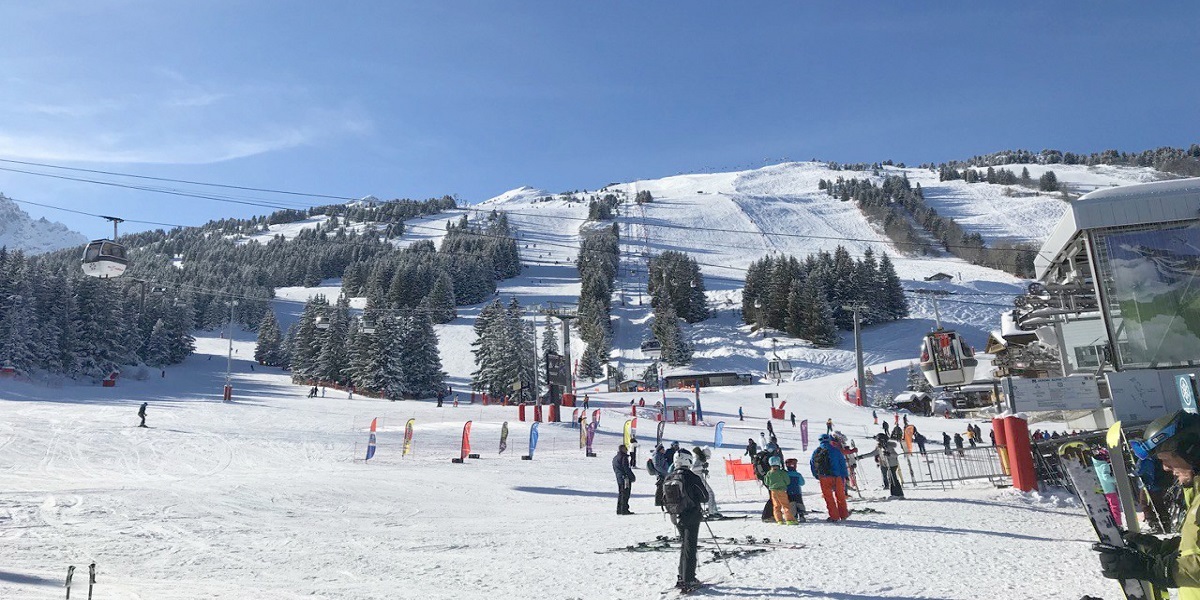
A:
722, 555
726, 517
1076, 463
677, 591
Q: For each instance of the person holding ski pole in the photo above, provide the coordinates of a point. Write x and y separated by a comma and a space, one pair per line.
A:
683, 493
1175, 562
142, 414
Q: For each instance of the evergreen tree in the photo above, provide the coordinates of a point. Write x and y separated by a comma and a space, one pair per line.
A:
1048, 182
440, 302
590, 364
818, 322
893, 301
268, 350
158, 349
916, 380
550, 338
422, 363
332, 363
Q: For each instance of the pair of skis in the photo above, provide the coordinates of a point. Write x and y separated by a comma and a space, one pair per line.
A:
1075, 458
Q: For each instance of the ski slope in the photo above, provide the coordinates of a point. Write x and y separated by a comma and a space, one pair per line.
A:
267, 498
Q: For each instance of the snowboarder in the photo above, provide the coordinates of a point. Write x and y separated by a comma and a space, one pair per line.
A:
793, 415
1175, 440
741, 416
794, 492
828, 465
776, 480
142, 414
625, 479
751, 449
687, 493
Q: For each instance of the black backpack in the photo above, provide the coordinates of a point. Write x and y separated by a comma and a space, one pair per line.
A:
676, 499
821, 463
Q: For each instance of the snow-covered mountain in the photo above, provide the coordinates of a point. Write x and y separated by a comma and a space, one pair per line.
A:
19, 231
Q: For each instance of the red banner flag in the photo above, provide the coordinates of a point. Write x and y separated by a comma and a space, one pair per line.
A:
466, 443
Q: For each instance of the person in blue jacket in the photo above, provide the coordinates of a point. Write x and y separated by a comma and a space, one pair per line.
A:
828, 465
795, 496
625, 479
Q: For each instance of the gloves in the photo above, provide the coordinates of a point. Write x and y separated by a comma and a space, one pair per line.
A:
1130, 563
1149, 544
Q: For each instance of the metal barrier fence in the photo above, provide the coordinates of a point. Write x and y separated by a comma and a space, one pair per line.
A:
941, 468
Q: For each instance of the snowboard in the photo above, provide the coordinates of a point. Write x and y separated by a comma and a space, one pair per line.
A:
1075, 458
1115, 440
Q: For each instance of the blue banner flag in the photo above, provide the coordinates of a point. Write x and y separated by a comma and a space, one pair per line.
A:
719, 436
533, 436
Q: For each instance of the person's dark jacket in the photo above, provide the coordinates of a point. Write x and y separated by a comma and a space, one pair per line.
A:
693, 486
620, 464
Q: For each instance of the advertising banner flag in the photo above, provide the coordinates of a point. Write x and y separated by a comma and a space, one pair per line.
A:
408, 435
371, 440
533, 437
596, 416
466, 442
658, 436
582, 433
719, 436
503, 437
804, 435
591, 434
628, 432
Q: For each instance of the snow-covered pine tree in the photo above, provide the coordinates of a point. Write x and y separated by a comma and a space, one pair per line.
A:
549, 338
305, 344
157, 353
915, 380
893, 300
422, 363
439, 304
19, 338
269, 348
817, 322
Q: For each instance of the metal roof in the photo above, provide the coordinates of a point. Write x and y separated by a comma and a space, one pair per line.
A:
1143, 203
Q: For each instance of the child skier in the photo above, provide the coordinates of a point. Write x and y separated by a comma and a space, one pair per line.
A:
795, 496
777, 482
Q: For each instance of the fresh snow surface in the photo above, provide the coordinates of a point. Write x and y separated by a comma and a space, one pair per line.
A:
268, 497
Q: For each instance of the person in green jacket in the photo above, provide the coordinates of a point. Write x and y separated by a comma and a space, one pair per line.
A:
1174, 562
777, 481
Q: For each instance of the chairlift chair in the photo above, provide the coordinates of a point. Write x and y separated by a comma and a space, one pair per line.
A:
321, 322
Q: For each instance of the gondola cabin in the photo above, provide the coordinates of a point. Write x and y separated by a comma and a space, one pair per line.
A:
947, 360
105, 259
779, 369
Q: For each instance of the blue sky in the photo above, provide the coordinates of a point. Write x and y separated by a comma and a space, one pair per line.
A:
421, 99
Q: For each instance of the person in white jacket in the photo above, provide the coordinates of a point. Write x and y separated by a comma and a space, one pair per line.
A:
889, 462
700, 467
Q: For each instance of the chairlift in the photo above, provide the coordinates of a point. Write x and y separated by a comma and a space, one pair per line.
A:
368, 326
946, 359
105, 258
321, 322
779, 369
652, 349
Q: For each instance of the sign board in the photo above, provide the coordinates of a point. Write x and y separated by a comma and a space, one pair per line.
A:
556, 370
772, 395
1054, 393
1186, 385
1138, 396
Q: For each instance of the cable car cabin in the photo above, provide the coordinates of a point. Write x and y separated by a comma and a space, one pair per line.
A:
651, 348
779, 369
321, 322
947, 360
104, 258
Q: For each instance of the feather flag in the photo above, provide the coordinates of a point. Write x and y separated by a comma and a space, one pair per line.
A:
466, 441
408, 435
371, 440
719, 436
628, 432
591, 434
661, 426
533, 437
804, 435
503, 437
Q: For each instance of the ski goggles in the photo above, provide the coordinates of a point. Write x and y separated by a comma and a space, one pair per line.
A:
1144, 448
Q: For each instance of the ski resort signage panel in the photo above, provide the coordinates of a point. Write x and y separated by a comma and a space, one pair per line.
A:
1186, 384
1053, 393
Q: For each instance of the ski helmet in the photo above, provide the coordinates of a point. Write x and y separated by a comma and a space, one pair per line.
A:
791, 463
775, 462
683, 460
1178, 433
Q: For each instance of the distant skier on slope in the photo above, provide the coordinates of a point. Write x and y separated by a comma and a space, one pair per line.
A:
142, 414
1175, 562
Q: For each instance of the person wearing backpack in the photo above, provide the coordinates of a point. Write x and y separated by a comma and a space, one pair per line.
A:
794, 493
625, 479
762, 465
658, 466
683, 493
828, 465
777, 481
889, 461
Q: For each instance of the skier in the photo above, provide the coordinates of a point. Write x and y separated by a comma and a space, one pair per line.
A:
889, 463
887, 431
906, 421
920, 439
777, 481
687, 493
793, 419
762, 465
971, 435
700, 458
633, 447
762, 435
875, 415
439, 400
958, 443
625, 479
751, 449
771, 430
828, 426
828, 465
322, 391
1108, 482
1175, 440
897, 417
142, 414
946, 442
794, 492
670, 457
741, 416
659, 466
851, 454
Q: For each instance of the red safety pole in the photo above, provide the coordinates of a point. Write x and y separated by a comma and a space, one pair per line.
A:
1020, 454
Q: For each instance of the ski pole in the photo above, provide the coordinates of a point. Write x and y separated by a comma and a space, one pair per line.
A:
70, 574
91, 579
718, 545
